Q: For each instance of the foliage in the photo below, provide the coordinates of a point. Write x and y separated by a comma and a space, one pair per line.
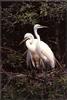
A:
31, 12
18, 81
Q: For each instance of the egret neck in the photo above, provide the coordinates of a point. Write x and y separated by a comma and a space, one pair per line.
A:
35, 31
29, 44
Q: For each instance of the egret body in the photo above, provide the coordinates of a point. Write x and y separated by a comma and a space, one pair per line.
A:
32, 54
38, 51
43, 49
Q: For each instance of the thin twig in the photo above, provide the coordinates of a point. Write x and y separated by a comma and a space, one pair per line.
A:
54, 42
59, 64
6, 48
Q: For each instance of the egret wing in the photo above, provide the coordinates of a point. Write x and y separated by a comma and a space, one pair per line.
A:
46, 53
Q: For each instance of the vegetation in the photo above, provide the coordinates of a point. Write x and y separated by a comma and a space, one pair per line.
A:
22, 83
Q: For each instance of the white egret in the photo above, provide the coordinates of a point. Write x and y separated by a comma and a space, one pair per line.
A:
38, 51
43, 49
32, 54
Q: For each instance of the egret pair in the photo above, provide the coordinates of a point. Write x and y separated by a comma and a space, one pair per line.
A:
38, 51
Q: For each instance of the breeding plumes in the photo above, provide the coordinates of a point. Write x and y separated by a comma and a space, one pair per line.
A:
38, 51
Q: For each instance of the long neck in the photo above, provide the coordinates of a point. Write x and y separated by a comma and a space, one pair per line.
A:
29, 45
36, 34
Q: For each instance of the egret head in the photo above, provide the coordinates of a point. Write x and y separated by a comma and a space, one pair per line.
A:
39, 26
27, 36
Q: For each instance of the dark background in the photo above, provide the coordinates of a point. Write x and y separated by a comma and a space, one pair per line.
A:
18, 18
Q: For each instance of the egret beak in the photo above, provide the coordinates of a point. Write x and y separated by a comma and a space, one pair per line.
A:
23, 41
43, 27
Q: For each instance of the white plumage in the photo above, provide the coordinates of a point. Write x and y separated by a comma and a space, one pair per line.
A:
38, 51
